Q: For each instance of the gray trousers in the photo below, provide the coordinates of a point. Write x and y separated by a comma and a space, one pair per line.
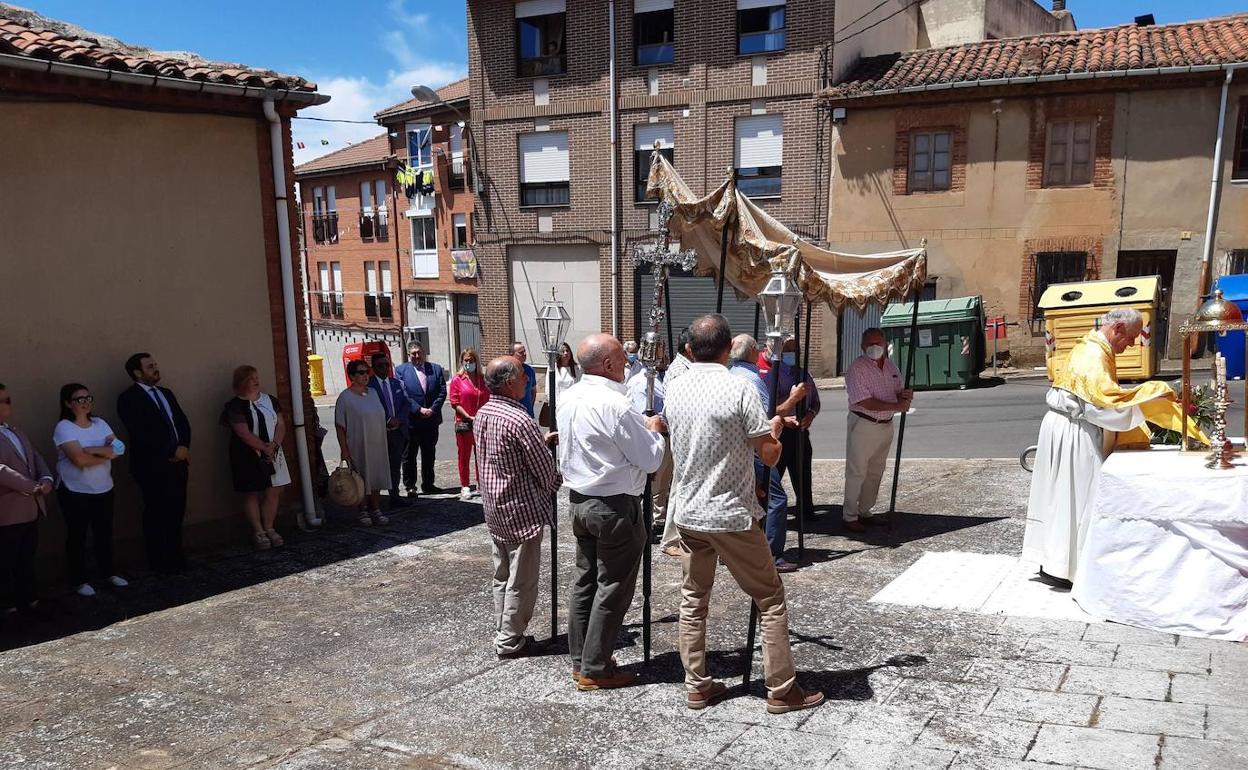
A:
610, 540
516, 568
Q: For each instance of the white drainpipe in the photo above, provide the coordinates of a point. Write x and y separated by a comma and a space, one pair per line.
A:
1215, 188
293, 354
615, 176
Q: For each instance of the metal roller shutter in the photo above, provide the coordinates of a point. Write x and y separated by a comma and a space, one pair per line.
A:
692, 296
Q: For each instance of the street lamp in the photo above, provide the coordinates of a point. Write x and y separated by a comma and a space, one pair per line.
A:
553, 323
780, 299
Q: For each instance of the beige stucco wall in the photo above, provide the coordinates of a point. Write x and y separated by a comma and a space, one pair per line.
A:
1161, 155
124, 231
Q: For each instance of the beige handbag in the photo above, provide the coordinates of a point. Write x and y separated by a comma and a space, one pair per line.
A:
346, 486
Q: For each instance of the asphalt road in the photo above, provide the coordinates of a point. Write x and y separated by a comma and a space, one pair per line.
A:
998, 420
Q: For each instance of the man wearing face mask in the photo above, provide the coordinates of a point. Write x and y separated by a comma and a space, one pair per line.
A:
876, 394
633, 365
796, 425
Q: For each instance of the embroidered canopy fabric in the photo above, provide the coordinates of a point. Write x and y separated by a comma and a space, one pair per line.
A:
836, 278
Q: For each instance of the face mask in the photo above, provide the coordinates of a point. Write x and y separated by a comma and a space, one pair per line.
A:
470, 367
118, 447
790, 359
875, 352
632, 358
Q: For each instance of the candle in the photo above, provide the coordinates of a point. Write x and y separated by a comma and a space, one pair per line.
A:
1221, 360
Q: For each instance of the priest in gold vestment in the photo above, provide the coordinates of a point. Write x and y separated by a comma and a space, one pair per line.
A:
1089, 414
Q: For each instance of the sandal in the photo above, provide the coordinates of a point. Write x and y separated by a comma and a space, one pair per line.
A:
262, 541
274, 538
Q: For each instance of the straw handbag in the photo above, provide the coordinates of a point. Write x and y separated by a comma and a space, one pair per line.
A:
346, 486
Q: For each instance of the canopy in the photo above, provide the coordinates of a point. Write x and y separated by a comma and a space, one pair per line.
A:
837, 278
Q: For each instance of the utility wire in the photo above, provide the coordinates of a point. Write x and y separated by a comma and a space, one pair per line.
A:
337, 120
899, 11
868, 13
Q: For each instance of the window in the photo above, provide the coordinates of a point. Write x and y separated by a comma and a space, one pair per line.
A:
366, 211
760, 26
458, 176
381, 214
324, 215
544, 169
1056, 267
646, 135
329, 299
1237, 262
419, 145
759, 155
1068, 156
654, 25
424, 247
540, 38
929, 161
1239, 166
385, 300
426, 302
461, 230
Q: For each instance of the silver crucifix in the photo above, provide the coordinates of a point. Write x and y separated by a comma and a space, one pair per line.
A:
662, 258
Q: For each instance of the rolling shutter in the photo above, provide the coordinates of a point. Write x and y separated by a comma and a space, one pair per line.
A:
760, 141
743, 5
647, 134
539, 8
646, 6
692, 296
544, 157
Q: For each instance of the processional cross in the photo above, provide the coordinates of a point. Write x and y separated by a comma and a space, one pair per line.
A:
662, 259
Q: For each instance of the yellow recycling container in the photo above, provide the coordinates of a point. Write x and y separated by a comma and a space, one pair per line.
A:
1071, 310
316, 374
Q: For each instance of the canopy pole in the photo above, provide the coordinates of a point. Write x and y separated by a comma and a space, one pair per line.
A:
723, 267
667, 306
804, 494
901, 428
751, 634
758, 310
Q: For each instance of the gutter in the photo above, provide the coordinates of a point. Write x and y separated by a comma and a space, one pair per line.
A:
307, 98
293, 353
1032, 79
1215, 187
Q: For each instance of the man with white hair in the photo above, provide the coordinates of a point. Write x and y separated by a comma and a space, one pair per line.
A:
1088, 413
634, 365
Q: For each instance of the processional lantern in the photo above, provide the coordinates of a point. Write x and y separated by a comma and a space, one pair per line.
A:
1215, 316
553, 323
780, 299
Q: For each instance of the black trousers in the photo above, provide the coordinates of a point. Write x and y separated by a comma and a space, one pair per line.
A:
18, 543
423, 441
396, 445
800, 477
164, 509
83, 513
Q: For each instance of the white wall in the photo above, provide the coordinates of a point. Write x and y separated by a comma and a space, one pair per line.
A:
573, 272
435, 324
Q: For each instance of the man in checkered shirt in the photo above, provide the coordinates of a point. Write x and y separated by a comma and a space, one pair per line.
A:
518, 478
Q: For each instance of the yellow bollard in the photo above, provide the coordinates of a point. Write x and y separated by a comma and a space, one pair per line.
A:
316, 374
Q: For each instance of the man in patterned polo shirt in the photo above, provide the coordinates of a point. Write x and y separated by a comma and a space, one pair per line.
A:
716, 423
876, 392
518, 477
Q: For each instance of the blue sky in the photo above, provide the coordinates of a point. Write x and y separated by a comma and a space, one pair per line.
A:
367, 53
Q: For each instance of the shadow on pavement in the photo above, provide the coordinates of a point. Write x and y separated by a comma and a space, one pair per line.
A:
907, 528
227, 569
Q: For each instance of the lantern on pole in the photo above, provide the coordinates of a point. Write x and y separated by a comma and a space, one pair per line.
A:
780, 299
553, 323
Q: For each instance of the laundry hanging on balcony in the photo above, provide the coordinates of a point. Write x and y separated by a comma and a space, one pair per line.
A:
836, 278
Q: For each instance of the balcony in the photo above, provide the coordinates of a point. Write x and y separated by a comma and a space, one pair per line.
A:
379, 307
374, 225
458, 173
450, 173
330, 304
325, 228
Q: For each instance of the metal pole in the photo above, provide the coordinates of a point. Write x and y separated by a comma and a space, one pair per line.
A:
554, 505
647, 505
671, 341
771, 412
802, 436
758, 310
901, 428
994, 347
723, 266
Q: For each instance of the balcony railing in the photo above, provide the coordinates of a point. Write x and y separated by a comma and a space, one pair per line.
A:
458, 173
325, 227
379, 307
330, 304
374, 225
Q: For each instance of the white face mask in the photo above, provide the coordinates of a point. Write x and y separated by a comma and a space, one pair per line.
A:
875, 352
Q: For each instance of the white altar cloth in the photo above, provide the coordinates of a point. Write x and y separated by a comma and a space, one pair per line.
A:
1167, 545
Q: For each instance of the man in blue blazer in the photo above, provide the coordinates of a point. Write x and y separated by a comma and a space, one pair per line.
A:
426, 386
398, 406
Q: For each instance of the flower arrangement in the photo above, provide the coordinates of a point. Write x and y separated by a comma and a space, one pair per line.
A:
1200, 410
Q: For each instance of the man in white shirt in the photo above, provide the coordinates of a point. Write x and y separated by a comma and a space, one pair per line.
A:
606, 449
680, 361
661, 486
717, 423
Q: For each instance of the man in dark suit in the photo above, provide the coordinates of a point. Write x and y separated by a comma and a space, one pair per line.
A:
426, 386
159, 449
398, 406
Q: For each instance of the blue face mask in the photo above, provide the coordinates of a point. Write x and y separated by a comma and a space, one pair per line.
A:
470, 367
790, 359
632, 358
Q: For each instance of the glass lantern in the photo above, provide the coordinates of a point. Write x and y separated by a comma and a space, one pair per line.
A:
780, 299
553, 323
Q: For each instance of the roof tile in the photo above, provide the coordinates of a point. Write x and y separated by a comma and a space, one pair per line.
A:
449, 93
367, 152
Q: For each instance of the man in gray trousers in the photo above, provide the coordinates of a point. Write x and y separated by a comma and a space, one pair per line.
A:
606, 450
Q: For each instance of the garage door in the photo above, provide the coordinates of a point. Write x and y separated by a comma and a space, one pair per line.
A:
692, 296
573, 272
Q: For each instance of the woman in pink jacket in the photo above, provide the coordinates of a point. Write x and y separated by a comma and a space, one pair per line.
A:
467, 394
25, 483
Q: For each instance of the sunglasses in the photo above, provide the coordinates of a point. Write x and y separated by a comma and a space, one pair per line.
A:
6, 400
83, 400
357, 372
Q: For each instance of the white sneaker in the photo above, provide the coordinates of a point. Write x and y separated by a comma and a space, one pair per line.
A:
86, 590
118, 581
365, 521
380, 518
465, 493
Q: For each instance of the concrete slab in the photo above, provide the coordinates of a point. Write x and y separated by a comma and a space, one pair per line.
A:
1089, 747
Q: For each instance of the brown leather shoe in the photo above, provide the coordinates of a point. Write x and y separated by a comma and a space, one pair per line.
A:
855, 526
700, 700
610, 681
875, 521
783, 567
612, 665
796, 700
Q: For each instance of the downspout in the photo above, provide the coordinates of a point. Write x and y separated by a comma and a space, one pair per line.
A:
1215, 187
615, 175
288, 306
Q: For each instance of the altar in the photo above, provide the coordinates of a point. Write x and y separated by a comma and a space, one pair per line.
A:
1167, 545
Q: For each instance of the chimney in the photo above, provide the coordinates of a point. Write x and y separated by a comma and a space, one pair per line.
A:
1146, 20
1059, 5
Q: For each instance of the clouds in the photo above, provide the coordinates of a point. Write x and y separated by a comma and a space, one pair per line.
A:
416, 43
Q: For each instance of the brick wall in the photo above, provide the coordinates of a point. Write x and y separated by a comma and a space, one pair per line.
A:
951, 118
1097, 106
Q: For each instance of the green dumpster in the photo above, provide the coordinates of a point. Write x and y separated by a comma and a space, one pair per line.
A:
950, 349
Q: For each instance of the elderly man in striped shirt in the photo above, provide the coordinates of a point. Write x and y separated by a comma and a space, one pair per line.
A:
518, 477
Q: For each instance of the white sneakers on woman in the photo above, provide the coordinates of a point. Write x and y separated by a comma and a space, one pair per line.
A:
116, 581
86, 590
465, 493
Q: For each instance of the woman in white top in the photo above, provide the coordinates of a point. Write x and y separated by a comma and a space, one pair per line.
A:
86, 447
257, 463
567, 373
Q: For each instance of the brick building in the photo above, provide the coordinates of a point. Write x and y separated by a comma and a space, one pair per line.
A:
387, 262
724, 86
1051, 158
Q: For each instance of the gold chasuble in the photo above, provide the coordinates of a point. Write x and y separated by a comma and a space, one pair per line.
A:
1091, 373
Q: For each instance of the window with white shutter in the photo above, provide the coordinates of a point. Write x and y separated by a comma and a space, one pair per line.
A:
544, 172
645, 136
759, 155
654, 27
541, 38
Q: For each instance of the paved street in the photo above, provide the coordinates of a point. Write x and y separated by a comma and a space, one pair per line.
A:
370, 648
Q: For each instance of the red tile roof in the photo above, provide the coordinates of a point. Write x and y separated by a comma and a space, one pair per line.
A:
27, 34
1217, 41
366, 153
450, 92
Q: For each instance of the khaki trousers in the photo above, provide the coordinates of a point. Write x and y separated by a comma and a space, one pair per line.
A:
748, 559
866, 455
661, 488
516, 568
